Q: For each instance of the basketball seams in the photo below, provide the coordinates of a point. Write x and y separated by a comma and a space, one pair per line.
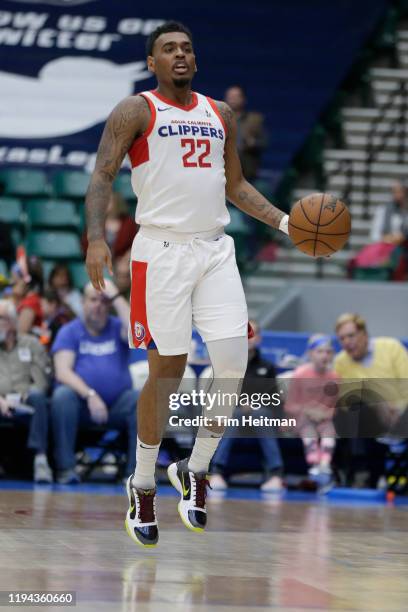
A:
317, 232
317, 226
313, 240
304, 212
334, 218
310, 236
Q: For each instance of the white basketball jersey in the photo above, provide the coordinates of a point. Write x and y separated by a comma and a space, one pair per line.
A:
178, 170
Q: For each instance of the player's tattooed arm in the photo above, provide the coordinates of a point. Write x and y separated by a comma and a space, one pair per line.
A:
238, 190
127, 120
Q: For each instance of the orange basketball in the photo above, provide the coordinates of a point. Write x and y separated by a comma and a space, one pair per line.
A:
319, 224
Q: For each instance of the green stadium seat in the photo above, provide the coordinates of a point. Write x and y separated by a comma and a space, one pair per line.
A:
3, 268
11, 211
16, 236
123, 186
24, 183
71, 184
79, 274
54, 245
52, 213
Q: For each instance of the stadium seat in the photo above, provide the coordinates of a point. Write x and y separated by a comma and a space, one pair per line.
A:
54, 245
24, 182
123, 186
52, 213
16, 236
3, 268
79, 274
11, 211
71, 184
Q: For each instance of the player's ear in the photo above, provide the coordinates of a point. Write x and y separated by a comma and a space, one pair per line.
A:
150, 63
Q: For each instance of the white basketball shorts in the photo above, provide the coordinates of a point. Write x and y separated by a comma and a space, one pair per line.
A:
181, 280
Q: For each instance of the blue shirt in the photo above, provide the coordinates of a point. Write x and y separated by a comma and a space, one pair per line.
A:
101, 361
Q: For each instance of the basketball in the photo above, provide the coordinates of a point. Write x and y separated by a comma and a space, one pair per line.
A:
319, 224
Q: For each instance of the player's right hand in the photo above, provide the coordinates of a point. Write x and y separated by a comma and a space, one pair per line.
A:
98, 256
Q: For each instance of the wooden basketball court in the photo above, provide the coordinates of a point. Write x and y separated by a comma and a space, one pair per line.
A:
258, 554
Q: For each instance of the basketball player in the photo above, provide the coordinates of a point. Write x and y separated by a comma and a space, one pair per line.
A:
182, 149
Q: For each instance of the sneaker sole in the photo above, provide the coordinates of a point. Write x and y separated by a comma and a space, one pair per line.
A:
129, 530
176, 484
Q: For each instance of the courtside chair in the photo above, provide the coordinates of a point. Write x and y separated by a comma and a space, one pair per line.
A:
54, 245
24, 182
56, 214
11, 211
71, 184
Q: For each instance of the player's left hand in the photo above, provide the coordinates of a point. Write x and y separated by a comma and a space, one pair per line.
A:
98, 256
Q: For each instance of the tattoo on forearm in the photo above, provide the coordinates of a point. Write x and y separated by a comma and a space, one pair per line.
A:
122, 126
253, 203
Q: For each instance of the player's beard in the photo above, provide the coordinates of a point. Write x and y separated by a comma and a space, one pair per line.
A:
181, 82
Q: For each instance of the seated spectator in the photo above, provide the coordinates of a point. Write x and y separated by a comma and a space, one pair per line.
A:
24, 379
312, 406
390, 222
387, 254
120, 228
251, 135
27, 286
260, 377
56, 313
91, 366
60, 280
364, 359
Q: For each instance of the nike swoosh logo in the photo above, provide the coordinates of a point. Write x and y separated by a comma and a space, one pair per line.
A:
132, 509
185, 491
163, 109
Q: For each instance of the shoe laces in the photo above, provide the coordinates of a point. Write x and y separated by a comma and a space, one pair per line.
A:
201, 490
147, 505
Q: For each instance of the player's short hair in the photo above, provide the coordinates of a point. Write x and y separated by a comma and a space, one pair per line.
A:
168, 26
350, 317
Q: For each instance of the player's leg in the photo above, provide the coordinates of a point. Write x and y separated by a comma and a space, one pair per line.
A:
229, 360
220, 315
165, 374
162, 281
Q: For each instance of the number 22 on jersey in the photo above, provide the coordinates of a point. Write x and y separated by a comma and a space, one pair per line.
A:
196, 152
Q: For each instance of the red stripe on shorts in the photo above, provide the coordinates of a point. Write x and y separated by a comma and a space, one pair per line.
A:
138, 315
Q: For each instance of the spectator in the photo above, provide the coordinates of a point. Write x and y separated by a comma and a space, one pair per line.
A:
26, 292
120, 228
60, 280
260, 377
91, 365
251, 135
122, 275
390, 223
312, 406
56, 314
24, 379
364, 358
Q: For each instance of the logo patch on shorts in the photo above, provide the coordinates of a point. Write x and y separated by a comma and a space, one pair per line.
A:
140, 331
